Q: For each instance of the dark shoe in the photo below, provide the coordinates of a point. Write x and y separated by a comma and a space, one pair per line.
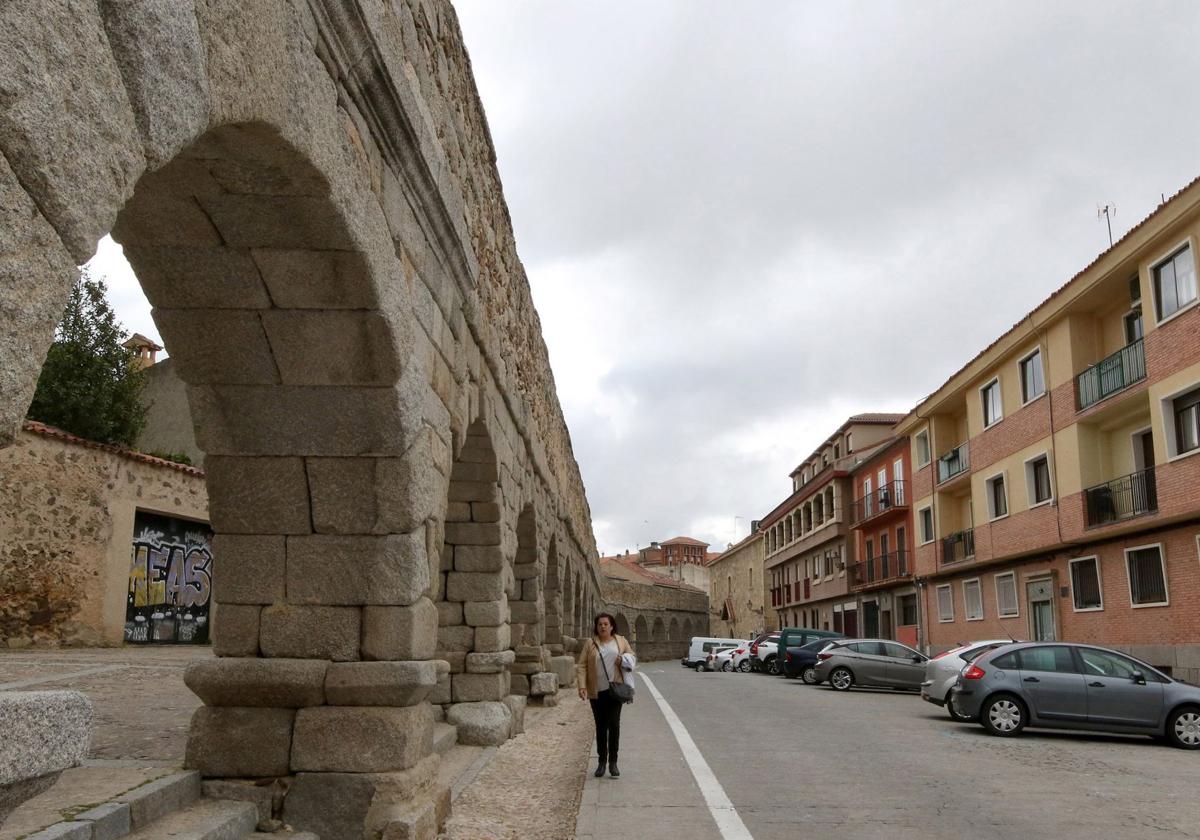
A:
612, 770
599, 770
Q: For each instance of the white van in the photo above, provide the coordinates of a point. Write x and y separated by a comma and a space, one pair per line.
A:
701, 646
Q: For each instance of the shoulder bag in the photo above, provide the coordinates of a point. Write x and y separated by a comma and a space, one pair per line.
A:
620, 690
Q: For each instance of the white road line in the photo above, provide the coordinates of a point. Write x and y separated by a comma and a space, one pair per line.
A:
729, 823
32, 681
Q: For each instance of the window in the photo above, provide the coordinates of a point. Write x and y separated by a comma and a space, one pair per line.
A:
896, 651
1033, 382
869, 648
849, 444
1006, 595
973, 600
992, 410
1099, 663
1133, 326
1006, 660
945, 599
924, 454
926, 517
1085, 584
1174, 282
1186, 411
1054, 658
1147, 576
997, 498
1037, 480
837, 451
908, 609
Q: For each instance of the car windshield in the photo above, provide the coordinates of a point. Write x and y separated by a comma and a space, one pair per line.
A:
818, 645
974, 653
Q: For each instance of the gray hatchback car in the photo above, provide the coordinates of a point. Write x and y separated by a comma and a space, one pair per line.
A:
876, 662
1073, 686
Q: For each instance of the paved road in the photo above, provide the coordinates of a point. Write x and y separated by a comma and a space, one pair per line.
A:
795, 759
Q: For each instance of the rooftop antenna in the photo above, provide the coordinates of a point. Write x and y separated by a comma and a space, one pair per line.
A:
1107, 211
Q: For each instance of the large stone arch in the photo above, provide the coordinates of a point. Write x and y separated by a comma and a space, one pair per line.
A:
673, 629
641, 631
553, 595
658, 631
623, 625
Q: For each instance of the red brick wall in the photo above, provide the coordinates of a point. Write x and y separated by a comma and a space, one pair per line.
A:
1024, 427
922, 481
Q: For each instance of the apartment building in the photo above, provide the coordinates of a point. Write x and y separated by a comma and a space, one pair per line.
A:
807, 540
736, 592
1054, 483
881, 525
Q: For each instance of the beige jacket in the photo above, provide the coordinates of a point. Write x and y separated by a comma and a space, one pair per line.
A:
587, 666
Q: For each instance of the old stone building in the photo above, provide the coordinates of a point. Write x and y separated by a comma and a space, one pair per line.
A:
736, 590
399, 517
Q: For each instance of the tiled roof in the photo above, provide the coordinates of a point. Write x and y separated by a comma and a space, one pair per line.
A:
682, 541
139, 340
626, 567
132, 454
878, 418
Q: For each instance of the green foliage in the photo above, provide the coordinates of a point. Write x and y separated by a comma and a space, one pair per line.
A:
173, 457
90, 385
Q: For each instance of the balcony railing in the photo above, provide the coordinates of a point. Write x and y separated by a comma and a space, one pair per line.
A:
1122, 498
955, 462
958, 547
886, 498
882, 569
1110, 375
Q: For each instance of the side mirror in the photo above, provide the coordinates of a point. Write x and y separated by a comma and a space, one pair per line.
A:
916, 657
1138, 677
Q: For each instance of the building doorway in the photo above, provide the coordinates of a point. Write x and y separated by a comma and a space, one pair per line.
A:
1039, 595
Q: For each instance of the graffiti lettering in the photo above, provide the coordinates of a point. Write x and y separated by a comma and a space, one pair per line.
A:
170, 581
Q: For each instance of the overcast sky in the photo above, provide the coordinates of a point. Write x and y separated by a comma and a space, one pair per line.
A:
742, 226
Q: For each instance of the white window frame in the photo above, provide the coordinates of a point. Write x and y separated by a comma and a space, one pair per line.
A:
1167, 407
967, 604
1037, 351
932, 529
1031, 480
938, 596
928, 448
1099, 582
1162, 561
1154, 293
987, 488
995, 380
1016, 594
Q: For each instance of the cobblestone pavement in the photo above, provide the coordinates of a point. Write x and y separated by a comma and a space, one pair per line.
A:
531, 788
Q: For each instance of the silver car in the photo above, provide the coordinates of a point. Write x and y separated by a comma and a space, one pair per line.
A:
870, 662
1071, 686
941, 671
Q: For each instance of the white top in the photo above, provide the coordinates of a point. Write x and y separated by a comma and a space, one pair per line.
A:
606, 659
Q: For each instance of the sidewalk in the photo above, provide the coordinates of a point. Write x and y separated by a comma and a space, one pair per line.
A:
656, 795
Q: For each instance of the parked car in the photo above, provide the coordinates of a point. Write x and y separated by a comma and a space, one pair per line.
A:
762, 653
801, 661
790, 637
870, 662
1074, 686
941, 671
741, 659
719, 658
701, 646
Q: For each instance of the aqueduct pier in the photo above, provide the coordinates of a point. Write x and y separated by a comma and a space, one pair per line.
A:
308, 194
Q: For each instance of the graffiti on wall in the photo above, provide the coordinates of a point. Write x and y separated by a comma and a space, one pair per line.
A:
170, 581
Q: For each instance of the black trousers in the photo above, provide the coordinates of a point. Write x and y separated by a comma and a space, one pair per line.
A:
606, 710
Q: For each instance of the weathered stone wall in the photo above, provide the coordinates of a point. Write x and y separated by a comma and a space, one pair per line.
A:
168, 426
307, 192
66, 525
659, 620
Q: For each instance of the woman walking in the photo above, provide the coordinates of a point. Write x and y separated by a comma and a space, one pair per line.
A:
604, 660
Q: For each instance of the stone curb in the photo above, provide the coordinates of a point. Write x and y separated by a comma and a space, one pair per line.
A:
129, 812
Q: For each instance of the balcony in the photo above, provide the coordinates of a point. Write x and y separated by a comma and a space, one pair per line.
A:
953, 463
958, 547
887, 498
1122, 498
1110, 375
884, 569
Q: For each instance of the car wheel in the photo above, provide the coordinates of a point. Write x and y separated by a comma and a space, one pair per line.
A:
953, 714
841, 679
727, 666
1003, 715
744, 666
809, 675
773, 666
1183, 728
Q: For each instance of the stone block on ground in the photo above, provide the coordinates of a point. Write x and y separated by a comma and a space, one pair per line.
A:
262, 797
240, 742
63, 831
400, 633
564, 668
481, 724
272, 683
160, 797
545, 701
516, 707
334, 805
361, 739
469, 688
109, 821
44, 733
380, 683
543, 683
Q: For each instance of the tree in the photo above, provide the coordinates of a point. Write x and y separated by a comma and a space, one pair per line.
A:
90, 385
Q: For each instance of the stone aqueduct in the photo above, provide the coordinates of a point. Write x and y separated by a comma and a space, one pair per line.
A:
308, 194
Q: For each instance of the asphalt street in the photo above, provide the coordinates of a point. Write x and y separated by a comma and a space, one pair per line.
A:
795, 759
